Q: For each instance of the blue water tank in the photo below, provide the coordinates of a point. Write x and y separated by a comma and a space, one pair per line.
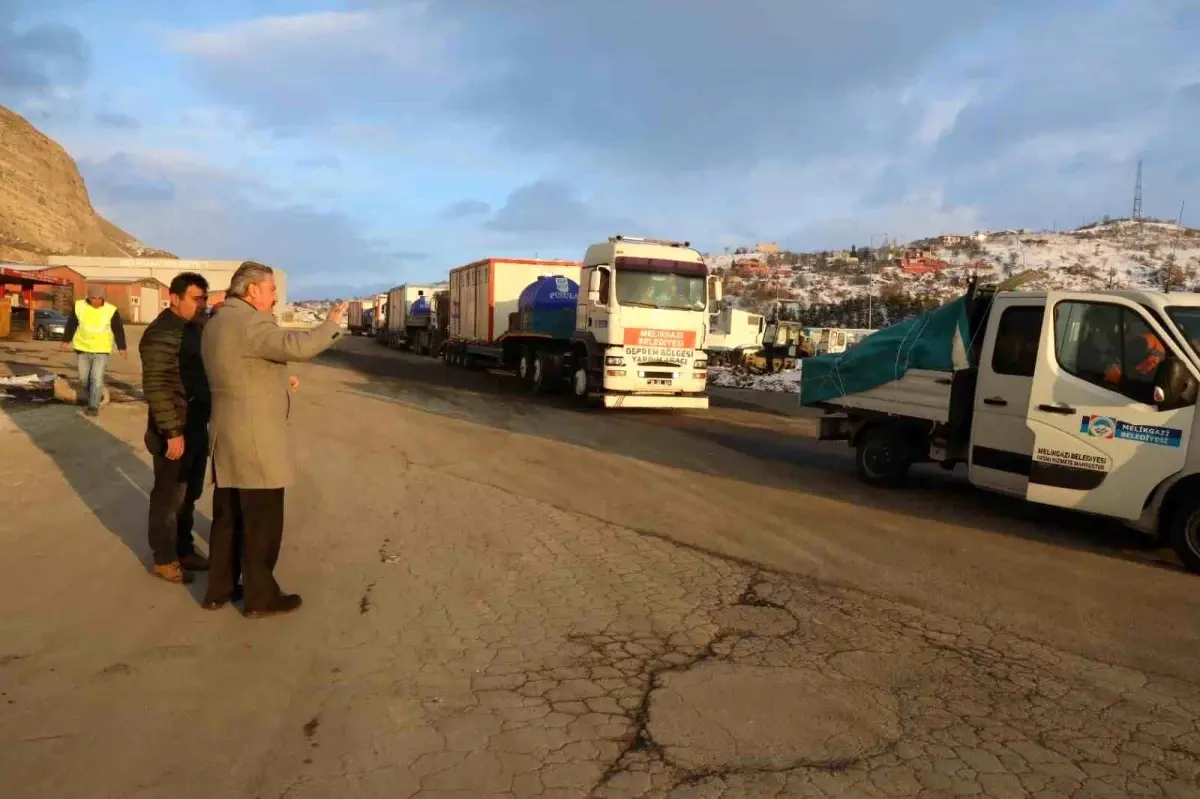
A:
420, 307
549, 293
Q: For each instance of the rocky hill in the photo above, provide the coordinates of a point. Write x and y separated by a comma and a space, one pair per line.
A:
44, 204
833, 288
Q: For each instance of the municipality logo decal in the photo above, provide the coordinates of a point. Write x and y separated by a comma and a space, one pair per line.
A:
562, 284
1101, 427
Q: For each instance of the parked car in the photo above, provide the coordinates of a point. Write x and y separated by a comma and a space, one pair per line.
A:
49, 324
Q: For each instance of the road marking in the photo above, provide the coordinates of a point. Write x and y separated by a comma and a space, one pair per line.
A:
130, 480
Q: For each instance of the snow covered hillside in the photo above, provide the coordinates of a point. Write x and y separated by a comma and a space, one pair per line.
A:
1116, 254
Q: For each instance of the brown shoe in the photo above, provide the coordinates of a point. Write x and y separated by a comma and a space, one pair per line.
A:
285, 603
171, 573
193, 562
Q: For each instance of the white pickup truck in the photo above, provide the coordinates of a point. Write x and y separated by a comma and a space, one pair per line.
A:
1083, 400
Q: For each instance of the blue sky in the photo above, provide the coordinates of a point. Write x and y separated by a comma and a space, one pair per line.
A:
361, 144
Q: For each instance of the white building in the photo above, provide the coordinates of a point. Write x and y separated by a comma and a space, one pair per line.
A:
218, 273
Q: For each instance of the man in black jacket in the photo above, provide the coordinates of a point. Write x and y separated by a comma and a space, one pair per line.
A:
177, 395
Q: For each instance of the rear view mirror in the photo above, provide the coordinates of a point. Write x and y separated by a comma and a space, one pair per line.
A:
1174, 385
593, 289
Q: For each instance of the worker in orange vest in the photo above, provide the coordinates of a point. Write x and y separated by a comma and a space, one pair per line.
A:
1152, 353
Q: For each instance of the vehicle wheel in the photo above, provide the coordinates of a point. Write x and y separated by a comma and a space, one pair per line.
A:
882, 458
1184, 533
526, 366
579, 383
541, 378
40, 334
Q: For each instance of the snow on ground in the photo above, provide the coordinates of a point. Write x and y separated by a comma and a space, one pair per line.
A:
734, 377
26, 381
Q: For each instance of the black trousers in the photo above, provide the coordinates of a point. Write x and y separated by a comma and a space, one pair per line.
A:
247, 531
177, 486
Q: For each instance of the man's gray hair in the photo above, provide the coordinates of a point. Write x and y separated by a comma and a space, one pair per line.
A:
249, 273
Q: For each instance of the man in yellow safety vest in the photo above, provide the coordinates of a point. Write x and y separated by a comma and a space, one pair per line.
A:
93, 329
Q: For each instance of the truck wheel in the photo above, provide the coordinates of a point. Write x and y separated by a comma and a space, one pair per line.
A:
542, 378
1184, 533
882, 458
579, 382
525, 366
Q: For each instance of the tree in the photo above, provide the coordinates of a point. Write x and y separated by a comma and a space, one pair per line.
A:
1171, 276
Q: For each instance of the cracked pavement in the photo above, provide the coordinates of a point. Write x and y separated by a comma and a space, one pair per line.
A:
518, 600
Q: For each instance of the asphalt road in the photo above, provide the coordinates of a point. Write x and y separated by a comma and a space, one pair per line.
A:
511, 596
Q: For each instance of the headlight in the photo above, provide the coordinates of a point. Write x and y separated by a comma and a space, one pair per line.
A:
614, 360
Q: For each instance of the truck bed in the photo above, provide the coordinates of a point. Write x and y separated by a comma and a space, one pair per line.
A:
919, 394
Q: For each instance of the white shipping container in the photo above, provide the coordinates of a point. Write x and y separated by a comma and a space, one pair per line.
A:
484, 293
400, 300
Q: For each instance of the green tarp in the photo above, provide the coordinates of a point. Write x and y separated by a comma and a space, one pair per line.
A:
934, 340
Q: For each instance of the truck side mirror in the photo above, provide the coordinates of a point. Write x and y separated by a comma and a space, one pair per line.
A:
593, 291
714, 281
1174, 385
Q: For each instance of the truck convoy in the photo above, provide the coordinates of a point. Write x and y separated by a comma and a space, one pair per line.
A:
625, 327
1082, 400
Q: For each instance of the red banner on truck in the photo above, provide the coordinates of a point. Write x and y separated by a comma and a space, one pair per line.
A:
660, 339
647, 345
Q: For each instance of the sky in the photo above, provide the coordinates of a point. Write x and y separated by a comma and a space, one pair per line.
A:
361, 144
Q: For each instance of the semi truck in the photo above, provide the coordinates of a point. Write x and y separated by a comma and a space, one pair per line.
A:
1081, 400
357, 322
625, 328
404, 327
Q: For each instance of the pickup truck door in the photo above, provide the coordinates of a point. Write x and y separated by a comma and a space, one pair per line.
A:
1001, 441
1100, 444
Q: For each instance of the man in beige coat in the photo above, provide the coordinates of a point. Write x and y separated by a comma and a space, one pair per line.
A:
245, 355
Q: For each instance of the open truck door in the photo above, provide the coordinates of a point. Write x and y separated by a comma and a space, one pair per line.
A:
1105, 433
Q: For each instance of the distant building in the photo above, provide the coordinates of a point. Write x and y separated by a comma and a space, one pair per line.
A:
767, 248
218, 273
748, 268
922, 266
950, 240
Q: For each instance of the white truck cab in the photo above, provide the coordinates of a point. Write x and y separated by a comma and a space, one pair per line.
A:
641, 327
1082, 400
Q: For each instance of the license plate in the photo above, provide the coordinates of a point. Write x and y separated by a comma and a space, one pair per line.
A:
658, 382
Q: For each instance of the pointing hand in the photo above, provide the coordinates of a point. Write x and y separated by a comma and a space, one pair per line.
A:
337, 312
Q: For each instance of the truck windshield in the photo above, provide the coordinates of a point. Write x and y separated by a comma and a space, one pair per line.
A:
661, 289
1187, 319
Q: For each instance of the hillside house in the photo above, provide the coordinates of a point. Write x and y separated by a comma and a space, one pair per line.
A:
922, 266
767, 248
749, 268
950, 240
